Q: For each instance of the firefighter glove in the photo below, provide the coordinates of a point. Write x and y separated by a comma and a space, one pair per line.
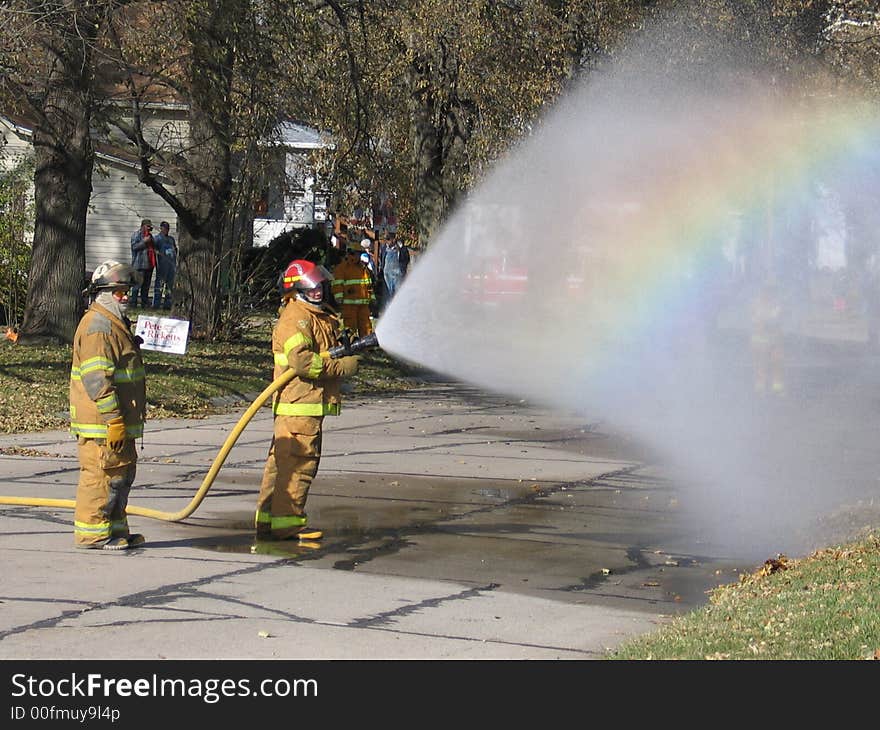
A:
116, 433
349, 365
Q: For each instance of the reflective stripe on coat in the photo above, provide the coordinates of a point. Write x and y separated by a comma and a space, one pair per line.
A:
352, 283
106, 376
303, 332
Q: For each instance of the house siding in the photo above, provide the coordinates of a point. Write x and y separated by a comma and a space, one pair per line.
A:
117, 204
13, 149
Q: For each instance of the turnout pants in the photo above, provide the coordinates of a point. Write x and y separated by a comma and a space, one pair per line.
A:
357, 318
290, 468
768, 365
105, 479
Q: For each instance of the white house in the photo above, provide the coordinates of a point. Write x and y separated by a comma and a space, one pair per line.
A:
119, 200
118, 203
292, 197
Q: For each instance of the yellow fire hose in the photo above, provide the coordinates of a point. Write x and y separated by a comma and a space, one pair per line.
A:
347, 347
276, 384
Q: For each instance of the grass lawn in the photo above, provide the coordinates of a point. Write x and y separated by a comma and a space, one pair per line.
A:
208, 379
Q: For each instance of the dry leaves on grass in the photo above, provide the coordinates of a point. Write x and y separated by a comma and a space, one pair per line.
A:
772, 565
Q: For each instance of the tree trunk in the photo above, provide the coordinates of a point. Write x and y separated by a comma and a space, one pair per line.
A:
206, 194
430, 203
436, 140
64, 160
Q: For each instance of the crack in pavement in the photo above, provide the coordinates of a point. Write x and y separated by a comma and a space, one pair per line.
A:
155, 598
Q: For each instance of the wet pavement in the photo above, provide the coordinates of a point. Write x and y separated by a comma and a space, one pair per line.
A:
457, 525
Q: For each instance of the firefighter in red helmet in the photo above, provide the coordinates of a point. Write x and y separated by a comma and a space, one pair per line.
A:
307, 326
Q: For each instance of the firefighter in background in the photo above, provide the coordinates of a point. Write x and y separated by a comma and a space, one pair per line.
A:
767, 340
307, 326
107, 410
354, 293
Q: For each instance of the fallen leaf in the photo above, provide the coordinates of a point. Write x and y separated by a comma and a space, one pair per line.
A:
771, 565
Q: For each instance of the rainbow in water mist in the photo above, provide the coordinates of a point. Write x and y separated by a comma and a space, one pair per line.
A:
756, 165
609, 266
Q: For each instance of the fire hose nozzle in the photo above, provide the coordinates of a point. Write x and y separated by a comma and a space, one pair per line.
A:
353, 347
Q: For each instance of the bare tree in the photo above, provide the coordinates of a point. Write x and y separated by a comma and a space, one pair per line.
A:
48, 73
446, 87
224, 67
194, 175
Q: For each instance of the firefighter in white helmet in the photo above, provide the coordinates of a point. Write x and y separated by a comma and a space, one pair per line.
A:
107, 410
307, 326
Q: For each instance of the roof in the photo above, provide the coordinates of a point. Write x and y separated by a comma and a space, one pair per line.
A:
24, 129
290, 134
299, 136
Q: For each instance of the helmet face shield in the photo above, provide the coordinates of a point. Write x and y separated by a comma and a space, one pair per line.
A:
315, 295
315, 277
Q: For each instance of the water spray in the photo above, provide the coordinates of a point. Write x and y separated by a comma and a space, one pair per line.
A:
609, 266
